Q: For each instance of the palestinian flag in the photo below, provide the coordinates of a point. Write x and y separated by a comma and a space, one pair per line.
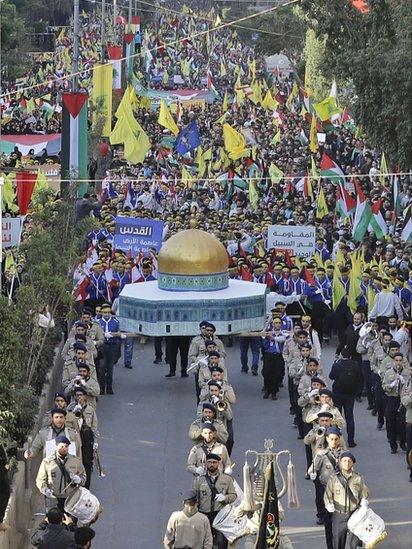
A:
395, 198
345, 204
406, 234
74, 138
377, 223
307, 102
330, 168
363, 214
210, 85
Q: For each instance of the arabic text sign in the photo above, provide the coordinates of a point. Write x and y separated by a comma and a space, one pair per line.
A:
10, 231
137, 234
298, 239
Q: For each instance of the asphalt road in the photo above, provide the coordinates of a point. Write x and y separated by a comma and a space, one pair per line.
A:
144, 446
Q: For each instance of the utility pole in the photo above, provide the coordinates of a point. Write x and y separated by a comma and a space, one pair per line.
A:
103, 32
130, 12
75, 82
114, 12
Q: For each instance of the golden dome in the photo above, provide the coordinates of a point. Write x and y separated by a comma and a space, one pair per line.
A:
192, 252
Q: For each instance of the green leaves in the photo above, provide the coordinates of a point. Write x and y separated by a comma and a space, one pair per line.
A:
371, 51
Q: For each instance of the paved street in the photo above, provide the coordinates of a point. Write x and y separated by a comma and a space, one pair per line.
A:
144, 446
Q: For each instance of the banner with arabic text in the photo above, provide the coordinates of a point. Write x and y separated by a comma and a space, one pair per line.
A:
138, 234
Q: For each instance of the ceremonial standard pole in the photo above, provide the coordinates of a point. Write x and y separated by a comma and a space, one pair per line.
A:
75, 82
103, 31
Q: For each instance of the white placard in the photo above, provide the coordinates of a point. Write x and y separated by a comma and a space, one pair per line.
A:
10, 231
298, 240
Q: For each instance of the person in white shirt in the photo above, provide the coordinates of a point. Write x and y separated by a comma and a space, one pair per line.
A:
386, 304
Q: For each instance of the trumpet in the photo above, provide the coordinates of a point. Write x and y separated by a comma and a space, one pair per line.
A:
221, 406
201, 361
365, 329
97, 461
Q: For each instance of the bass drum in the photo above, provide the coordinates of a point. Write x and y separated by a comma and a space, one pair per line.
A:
83, 505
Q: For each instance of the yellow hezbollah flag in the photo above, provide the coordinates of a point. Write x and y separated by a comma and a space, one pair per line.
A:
338, 291
102, 96
253, 195
269, 103
355, 278
166, 119
129, 132
9, 193
321, 206
313, 136
201, 164
235, 143
225, 104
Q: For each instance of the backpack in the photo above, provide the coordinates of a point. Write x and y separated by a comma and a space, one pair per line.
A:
347, 382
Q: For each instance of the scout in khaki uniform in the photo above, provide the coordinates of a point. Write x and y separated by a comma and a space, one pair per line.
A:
57, 427
59, 474
324, 465
228, 394
84, 412
345, 492
214, 490
196, 462
61, 401
209, 415
392, 382
205, 372
70, 367
83, 379
406, 400
197, 345
325, 404
79, 342
93, 329
188, 528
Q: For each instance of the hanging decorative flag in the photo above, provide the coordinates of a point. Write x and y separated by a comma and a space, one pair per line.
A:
25, 186
74, 137
115, 56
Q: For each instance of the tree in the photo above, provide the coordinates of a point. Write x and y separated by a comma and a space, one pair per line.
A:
278, 31
314, 56
372, 50
12, 27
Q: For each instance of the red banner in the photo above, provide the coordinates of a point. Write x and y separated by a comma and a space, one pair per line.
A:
25, 186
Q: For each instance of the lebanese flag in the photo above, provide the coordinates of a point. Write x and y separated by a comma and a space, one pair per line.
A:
345, 204
80, 292
115, 57
377, 223
308, 276
363, 214
330, 168
245, 274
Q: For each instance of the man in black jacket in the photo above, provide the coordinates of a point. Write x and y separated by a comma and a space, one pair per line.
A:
348, 381
52, 533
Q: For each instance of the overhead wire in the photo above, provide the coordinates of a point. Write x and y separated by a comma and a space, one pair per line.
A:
142, 53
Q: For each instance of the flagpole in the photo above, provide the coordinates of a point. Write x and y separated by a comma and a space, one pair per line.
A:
75, 62
103, 31
1, 232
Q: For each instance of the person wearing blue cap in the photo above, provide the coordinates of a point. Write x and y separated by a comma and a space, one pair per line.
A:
345, 492
188, 527
59, 474
60, 401
325, 464
57, 427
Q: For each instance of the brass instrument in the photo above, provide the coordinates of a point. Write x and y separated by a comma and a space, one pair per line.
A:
201, 361
98, 463
221, 406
